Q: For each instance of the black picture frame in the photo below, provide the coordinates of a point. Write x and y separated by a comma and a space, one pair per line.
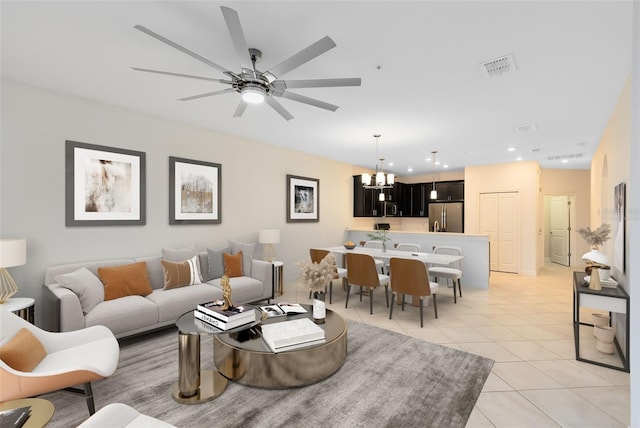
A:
303, 199
195, 191
104, 186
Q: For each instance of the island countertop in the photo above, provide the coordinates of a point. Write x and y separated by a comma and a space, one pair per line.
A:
475, 248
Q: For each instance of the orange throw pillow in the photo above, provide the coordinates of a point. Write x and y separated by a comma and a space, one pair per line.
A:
233, 264
125, 280
23, 352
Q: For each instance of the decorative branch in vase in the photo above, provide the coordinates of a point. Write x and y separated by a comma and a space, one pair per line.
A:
316, 276
597, 262
597, 236
380, 235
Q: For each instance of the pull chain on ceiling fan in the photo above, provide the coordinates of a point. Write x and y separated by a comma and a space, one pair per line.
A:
253, 85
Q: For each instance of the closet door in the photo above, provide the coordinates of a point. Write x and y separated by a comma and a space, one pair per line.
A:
499, 216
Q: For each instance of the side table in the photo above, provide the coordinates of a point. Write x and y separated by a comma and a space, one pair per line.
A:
277, 277
21, 306
41, 410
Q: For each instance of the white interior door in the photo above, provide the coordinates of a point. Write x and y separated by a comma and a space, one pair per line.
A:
499, 219
559, 229
489, 225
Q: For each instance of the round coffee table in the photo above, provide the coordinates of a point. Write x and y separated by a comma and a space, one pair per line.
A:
195, 386
41, 410
246, 358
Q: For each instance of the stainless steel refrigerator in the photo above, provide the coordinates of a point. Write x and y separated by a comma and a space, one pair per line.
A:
448, 215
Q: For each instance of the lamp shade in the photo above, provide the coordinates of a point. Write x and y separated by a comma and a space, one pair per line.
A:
269, 236
13, 252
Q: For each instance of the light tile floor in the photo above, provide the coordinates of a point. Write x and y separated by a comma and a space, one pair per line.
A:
525, 325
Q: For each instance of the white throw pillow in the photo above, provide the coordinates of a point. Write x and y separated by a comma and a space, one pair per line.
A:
85, 285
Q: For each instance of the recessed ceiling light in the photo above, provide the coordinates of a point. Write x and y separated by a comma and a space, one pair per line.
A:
437, 162
445, 166
511, 149
428, 159
410, 169
390, 163
565, 160
518, 158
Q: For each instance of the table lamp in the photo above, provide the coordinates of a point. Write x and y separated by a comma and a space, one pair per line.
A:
268, 237
13, 252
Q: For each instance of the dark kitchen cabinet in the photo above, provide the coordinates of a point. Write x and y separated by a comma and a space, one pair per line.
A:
450, 191
414, 200
366, 202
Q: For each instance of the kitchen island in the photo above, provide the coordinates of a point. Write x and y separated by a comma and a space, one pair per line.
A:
475, 265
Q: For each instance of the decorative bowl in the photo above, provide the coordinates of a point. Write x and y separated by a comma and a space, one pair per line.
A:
349, 246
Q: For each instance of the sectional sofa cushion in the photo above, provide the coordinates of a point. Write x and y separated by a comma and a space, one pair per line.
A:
23, 351
125, 280
247, 254
123, 315
86, 285
233, 264
180, 274
243, 288
175, 302
182, 254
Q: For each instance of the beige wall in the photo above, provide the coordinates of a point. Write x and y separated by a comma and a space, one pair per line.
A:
521, 177
610, 165
574, 183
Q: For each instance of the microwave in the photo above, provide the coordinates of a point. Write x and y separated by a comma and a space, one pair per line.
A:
390, 209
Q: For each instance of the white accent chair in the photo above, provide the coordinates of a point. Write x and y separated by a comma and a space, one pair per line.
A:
72, 358
452, 271
118, 415
377, 245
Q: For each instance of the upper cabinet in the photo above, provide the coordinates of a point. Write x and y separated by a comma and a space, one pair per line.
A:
404, 199
450, 191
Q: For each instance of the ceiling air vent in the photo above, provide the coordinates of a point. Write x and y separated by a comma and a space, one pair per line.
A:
498, 66
570, 156
526, 128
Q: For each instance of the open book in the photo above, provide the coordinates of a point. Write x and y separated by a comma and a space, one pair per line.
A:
283, 308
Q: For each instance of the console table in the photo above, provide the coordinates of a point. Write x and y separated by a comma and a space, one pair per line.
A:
608, 299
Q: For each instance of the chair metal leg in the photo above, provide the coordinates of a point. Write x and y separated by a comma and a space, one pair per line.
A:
459, 287
393, 299
330, 291
371, 301
435, 306
88, 391
348, 291
361, 293
454, 291
421, 322
386, 294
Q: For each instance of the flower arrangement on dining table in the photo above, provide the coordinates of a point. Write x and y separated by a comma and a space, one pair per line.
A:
380, 235
316, 276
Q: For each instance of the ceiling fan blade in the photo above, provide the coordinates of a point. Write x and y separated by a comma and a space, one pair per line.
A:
305, 55
208, 94
237, 36
278, 107
190, 76
240, 109
180, 48
308, 100
318, 83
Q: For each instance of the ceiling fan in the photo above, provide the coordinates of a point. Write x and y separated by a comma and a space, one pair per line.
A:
256, 86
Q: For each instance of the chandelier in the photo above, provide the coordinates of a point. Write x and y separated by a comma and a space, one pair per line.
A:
382, 180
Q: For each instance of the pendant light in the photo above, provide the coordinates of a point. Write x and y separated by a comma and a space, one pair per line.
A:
434, 192
382, 180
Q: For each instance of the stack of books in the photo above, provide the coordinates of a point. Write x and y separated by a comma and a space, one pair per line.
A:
289, 335
235, 316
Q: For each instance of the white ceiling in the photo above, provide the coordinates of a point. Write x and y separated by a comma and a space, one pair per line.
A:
422, 87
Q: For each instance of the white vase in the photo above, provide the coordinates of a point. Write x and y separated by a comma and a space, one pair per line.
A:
319, 307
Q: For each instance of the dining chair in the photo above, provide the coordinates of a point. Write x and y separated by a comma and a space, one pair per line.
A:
409, 276
376, 245
362, 272
340, 273
404, 246
53, 361
452, 271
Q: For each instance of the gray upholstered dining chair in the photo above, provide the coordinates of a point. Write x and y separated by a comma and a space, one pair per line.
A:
362, 272
405, 246
410, 276
452, 271
377, 245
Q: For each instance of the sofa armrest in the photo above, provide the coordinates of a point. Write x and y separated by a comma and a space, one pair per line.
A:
69, 311
263, 272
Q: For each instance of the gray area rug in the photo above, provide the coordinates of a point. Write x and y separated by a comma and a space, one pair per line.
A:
388, 380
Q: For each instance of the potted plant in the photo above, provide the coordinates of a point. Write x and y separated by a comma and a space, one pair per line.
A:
596, 259
380, 235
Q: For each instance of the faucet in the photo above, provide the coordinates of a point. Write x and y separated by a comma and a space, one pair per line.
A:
436, 226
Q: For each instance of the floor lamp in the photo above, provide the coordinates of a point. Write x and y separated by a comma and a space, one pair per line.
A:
13, 252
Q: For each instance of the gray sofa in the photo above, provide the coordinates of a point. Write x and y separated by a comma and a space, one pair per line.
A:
126, 316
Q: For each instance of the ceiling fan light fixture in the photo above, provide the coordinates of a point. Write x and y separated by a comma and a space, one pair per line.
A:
252, 94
